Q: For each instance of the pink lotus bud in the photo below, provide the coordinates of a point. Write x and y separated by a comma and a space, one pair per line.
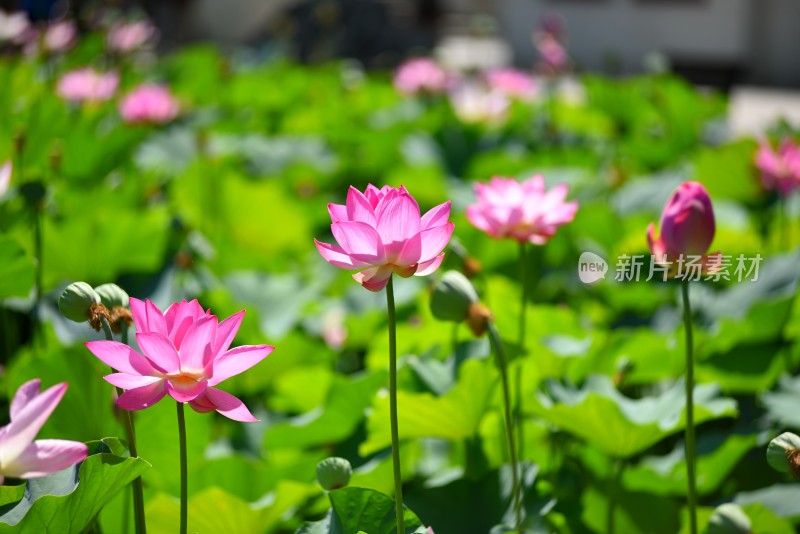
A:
5, 178
780, 170
687, 228
420, 75
149, 104
87, 85
127, 37
60, 36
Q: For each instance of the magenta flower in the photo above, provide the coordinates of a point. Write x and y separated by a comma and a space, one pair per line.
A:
420, 75
184, 354
512, 83
521, 210
87, 85
20, 455
381, 232
687, 227
59, 36
553, 55
149, 104
5, 178
130, 36
780, 170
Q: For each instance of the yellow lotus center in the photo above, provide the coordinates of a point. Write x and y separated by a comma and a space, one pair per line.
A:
184, 380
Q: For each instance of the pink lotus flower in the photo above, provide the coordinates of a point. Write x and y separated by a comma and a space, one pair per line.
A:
185, 354
381, 231
13, 26
60, 36
780, 170
5, 178
87, 84
420, 75
149, 104
474, 104
130, 36
554, 56
20, 455
512, 83
687, 227
523, 211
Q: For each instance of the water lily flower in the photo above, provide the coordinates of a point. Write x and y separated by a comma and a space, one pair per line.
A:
420, 75
87, 84
5, 178
512, 83
149, 104
20, 455
130, 36
381, 232
185, 353
687, 227
780, 170
524, 211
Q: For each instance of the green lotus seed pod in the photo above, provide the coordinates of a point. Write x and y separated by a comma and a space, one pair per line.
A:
76, 300
729, 518
334, 473
452, 297
783, 454
111, 295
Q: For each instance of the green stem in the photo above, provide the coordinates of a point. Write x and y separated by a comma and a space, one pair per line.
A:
613, 494
398, 481
37, 250
512, 449
184, 487
690, 438
523, 276
130, 433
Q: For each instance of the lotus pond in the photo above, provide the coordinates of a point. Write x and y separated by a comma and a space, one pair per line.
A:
215, 186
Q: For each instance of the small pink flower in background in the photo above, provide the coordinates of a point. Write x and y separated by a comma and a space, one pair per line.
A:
60, 36
474, 104
87, 84
185, 354
149, 104
780, 170
421, 75
13, 26
334, 331
20, 455
130, 36
524, 211
687, 227
381, 232
513, 83
554, 56
5, 178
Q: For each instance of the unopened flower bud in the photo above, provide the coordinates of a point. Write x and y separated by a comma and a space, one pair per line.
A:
729, 518
77, 300
334, 473
452, 296
783, 454
111, 295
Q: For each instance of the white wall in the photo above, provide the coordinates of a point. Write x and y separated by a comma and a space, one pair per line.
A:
630, 29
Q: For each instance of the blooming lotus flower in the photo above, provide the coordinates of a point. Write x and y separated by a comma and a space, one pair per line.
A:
20, 455
524, 211
87, 85
184, 354
5, 178
420, 75
13, 26
687, 227
60, 36
149, 104
474, 104
780, 170
512, 83
381, 232
127, 37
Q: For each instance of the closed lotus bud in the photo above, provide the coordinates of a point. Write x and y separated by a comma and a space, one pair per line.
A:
334, 473
452, 297
687, 223
729, 518
783, 454
112, 296
77, 301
